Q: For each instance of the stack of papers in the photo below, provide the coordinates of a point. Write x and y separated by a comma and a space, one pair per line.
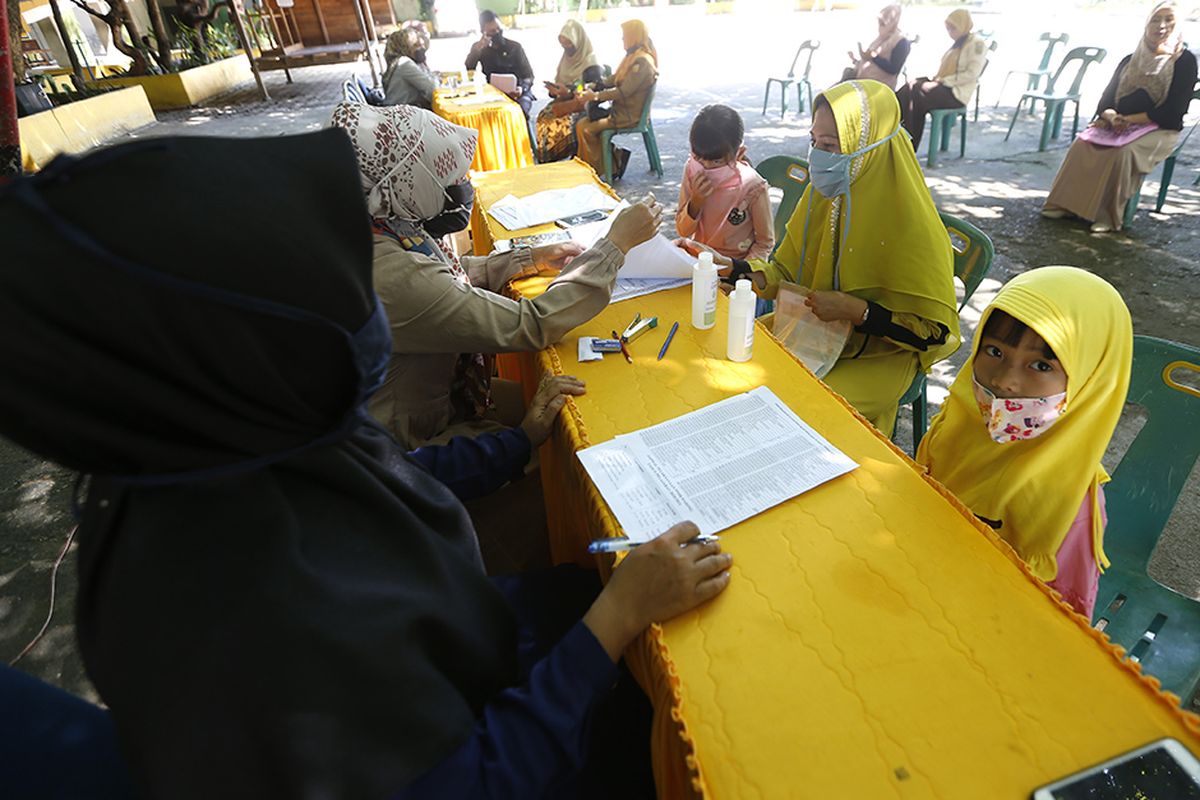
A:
516, 213
716, 466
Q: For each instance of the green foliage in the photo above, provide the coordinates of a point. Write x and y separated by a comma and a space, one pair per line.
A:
220, 41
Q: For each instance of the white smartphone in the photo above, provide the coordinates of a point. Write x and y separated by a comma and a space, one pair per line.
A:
1162, 770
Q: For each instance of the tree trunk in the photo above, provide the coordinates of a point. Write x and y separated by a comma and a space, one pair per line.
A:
161, 39
65, 35
14, 39
120, 21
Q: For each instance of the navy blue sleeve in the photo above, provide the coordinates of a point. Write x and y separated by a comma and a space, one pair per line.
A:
477, 466
530, 737
893, 64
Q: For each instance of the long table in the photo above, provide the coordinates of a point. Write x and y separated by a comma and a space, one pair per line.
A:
876, 641
503, 129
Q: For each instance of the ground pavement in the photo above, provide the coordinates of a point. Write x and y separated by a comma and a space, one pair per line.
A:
999, 187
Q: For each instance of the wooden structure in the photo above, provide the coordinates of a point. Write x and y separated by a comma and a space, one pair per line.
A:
311, 32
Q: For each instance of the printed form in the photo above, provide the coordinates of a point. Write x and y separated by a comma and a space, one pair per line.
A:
716, 466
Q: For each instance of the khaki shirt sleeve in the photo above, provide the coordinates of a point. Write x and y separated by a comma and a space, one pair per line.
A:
494, 271
970, 64
637, 81
430, 311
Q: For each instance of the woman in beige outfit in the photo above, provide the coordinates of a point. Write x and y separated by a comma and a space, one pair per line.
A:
1147, 97
446, 316
632, 83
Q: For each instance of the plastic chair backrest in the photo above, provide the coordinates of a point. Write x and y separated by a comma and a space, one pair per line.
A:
352, 92
790, 174
1188, 133
973, 253
1157, 626
1086, 56
811, 46
645, 117
1052, 41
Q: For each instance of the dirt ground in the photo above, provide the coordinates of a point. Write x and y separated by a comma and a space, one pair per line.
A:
999, 187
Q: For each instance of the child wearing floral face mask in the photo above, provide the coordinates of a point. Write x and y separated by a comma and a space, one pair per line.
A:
1019, 439
723, 201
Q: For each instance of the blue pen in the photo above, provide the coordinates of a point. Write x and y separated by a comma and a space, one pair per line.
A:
667, 343
617, 545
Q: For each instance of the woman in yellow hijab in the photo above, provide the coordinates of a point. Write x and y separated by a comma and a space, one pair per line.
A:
866, 238
1020, 438
631, 86
956, 78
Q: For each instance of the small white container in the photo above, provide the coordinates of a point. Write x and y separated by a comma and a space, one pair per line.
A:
704, 292
740, 344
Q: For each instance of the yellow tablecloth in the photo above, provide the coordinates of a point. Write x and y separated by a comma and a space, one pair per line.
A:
875, 641
503, 130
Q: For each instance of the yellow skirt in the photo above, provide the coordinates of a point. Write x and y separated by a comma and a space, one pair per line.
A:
874, 383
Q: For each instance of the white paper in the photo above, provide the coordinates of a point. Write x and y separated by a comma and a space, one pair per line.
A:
716, 466
586, 353
515, 213
654, 258
628, 288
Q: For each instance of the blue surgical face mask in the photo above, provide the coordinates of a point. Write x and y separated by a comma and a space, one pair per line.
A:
829, 173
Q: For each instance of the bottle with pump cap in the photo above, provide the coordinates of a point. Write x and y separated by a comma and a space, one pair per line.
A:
740, 344
704, 292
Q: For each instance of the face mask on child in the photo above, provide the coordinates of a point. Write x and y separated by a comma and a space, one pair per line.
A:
1016, 419
830, 172
720, 177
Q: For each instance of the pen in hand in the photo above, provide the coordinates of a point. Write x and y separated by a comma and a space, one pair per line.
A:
618, 545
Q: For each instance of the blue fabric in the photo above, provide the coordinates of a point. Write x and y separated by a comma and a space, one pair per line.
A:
477, 466
579, 726
54, 745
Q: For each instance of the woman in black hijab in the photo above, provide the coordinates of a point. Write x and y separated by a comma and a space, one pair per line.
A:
275, 600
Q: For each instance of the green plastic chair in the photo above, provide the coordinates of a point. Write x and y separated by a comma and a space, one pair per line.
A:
646, 128
1055, 103
1158, 628
810, 46
941, 123
1168, 171
973, 254
790, 174
1034, 82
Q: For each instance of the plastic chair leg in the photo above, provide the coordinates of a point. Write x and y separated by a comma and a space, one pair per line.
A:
935, 131
808, 86
947, 130
976, 117
1075, 124
766, 96
920, 414
1131, 207
1013, 121
962, 138
1047, 126
651, 143
1168, 171
606, 151
1058, 115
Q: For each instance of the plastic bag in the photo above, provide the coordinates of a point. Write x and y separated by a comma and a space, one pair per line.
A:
818, 344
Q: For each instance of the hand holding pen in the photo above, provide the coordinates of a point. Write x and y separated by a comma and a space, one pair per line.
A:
658, 580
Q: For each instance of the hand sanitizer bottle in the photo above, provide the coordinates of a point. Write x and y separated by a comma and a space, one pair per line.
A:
479, 80
740, 344
704, 292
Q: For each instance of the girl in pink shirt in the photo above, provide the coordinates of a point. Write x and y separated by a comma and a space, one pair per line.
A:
723, 201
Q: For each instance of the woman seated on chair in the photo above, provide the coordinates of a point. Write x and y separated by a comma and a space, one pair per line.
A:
1148, 96
883, 58
631, 86
577, 68
408, 80
446, 316
955, 81
867, 243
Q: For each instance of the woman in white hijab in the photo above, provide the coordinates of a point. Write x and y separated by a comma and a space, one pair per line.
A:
446, 316
1137, 125
883, 58
577, 68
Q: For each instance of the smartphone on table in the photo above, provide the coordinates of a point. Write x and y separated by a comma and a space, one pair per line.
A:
582, 219
1162, 770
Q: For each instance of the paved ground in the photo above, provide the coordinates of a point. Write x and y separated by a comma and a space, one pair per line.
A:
999, 186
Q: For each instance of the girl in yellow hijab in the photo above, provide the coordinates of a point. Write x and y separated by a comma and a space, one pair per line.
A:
1020, 438
867, 240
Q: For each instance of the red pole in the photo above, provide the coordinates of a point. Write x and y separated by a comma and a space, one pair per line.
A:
10, 141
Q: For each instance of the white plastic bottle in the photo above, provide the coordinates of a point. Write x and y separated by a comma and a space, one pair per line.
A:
704, 292
740, 344
479, 80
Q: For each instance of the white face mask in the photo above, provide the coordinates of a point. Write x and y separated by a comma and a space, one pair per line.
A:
1016, 419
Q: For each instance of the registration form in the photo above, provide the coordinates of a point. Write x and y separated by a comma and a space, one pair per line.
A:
715, 466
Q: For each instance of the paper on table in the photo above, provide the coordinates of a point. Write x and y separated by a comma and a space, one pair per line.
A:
628, 288
1107, 137
715, 466
654, 258
515, 213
